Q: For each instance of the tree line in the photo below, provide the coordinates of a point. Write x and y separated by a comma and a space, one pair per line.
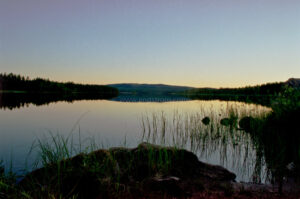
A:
264, 89
12, 82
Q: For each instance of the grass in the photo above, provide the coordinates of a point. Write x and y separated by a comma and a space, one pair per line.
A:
234, 147
278, 141
51, 151
260, 142
64, 170
8, 187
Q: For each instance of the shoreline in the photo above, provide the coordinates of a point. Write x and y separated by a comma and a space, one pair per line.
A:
147, 171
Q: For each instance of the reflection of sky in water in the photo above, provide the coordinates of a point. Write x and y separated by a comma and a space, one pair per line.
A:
109, 124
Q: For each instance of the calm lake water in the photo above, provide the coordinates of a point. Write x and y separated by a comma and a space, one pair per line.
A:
111, 123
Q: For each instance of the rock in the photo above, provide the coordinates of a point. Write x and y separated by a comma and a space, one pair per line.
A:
206, 121
232, 121
169, 185
225, 121
94, 175
248, 124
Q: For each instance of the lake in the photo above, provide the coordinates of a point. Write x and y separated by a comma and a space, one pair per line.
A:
128, 122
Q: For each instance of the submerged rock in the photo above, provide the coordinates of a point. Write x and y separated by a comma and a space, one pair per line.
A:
232, 121
248, 124
225, 121
206, 120
97, 174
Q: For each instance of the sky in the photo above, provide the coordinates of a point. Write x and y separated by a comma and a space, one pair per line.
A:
200, 43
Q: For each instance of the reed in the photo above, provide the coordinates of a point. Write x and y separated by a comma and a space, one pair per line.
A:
186, 130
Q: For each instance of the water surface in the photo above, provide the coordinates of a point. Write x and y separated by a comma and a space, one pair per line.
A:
111, 123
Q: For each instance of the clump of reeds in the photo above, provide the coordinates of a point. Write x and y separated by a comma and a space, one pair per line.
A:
186, 130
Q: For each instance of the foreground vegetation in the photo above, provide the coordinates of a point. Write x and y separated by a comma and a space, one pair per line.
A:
272, 135
213, 135
277, 137
147, 171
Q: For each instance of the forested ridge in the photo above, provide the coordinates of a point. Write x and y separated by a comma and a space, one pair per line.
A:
264, 89
12, 82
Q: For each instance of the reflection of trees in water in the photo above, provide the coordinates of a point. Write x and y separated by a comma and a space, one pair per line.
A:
264, 100
18, 100
1, 103
225, 145
150, 98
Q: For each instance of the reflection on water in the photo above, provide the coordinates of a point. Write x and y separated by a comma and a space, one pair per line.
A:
215, 143
115, 123
147, 98
18, 100
13, 100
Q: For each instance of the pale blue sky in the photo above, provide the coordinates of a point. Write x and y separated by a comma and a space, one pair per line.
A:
216, 43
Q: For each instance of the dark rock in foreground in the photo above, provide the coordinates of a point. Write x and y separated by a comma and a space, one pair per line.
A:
144, 171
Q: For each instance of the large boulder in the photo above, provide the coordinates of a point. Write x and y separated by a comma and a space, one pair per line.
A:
103, 173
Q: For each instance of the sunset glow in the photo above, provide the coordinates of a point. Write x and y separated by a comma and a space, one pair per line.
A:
207, 43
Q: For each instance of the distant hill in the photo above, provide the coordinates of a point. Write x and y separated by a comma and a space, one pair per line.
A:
264, 89
293, 82
149, 88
